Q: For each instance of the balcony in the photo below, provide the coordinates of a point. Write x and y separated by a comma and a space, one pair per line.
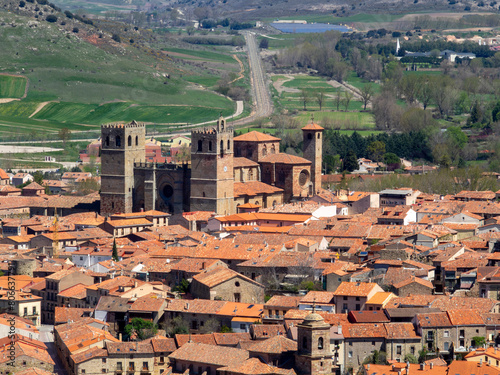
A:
429, 337
278, 317
131, 369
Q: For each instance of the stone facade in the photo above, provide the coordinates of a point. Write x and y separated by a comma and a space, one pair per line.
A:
313, 151
122, 146
313, 340
129, 183
212, 176
236, 289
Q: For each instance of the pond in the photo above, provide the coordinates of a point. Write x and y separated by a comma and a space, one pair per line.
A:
309, 27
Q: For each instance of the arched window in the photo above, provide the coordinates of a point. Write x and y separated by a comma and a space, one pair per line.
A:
304, 343
320, 343
319, 135
221, 147
309, 136
129, 141
273, 149
118, 141
228, 145
200, 145
222, 124
210, 146
264, 150
107, 140
203, 194
137, 140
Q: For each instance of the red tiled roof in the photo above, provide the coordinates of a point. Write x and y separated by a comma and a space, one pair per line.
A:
255, 136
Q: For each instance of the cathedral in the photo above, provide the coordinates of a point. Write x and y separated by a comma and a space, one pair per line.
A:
226, 172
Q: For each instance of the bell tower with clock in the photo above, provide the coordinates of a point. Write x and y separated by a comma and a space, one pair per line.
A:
212, 176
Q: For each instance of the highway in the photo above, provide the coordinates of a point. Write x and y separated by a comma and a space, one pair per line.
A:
262, 103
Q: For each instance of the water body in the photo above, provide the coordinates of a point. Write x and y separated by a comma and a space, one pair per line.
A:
309, 27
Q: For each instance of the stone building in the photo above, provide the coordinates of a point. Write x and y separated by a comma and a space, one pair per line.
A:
226, 171
227, 285
313, 340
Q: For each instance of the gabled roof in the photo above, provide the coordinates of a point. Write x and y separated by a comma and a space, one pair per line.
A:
220, 275
357, 289
210, 354
255, 136
282, 158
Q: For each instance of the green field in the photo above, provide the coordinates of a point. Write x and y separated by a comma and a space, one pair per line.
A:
89, 86
12, 87
340, 120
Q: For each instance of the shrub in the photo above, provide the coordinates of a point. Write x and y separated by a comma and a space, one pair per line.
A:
75, 29
22, 4
51, 18
116, 38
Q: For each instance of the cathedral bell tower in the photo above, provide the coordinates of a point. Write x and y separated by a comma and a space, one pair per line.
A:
313, 340
212, 176
121, 146
313, 151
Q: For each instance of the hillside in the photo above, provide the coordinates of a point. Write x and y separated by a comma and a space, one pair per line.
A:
78, 75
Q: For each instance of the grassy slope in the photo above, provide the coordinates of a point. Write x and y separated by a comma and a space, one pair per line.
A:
84, 78
12, 87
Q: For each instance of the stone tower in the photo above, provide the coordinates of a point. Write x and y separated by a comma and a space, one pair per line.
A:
313, 340
122, 146
212, 177
313, 151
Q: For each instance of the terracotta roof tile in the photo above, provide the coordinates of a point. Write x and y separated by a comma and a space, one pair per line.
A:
354, 289
256, 136
282, 158
182, 339
210, 354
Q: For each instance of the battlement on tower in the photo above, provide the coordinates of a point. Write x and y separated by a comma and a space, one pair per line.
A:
133, 124
221, 127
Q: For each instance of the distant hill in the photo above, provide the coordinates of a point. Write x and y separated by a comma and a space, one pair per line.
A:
81, 73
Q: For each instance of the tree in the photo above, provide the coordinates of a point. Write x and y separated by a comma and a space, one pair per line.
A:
64, 136
479, 341
411, 358
377, 358
392, 161
338, 99
422, 355
183, 286
176, 326
114, 254
347, 98
304, 96
210, 325
51, 18
320, 98
264, 43
226, 329
350, 162
424, 92
457, 137
366, 95
142, 328
116, 38
376, 150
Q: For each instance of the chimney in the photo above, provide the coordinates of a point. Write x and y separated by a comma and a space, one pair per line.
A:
368, 366
339, 329
481, 362
422, 367
393, 367
431, 365
135, 283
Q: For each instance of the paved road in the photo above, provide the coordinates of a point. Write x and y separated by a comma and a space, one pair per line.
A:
47, 337
262, 105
